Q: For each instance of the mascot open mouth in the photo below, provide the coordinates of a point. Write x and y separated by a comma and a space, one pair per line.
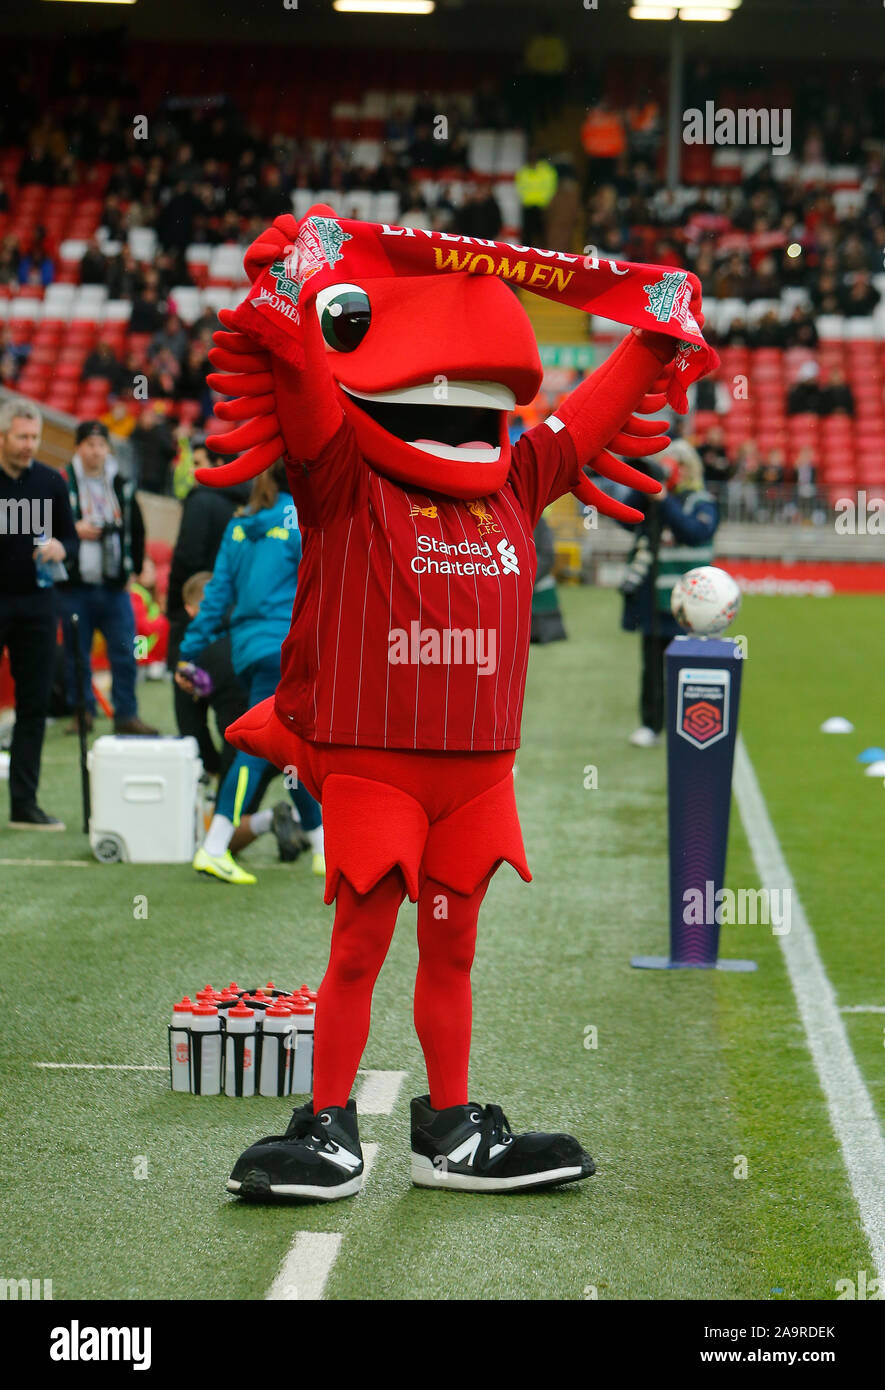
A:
458, 421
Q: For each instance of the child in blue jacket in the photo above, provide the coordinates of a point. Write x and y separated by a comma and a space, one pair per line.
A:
251, 593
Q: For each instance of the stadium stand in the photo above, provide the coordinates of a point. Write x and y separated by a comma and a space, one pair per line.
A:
114, 263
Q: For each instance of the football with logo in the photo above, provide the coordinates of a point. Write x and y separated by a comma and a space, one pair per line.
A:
705, 600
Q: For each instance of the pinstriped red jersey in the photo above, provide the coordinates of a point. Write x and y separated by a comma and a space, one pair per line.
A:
412, 618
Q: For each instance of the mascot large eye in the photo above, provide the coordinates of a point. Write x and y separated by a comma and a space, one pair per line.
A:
345, 314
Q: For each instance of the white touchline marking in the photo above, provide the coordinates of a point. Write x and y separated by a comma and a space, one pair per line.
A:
848, 1100
308, 1264
378, 1092
48, 863
98, 1066
862, 1008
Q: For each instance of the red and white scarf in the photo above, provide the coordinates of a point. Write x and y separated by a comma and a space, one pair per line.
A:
334, 249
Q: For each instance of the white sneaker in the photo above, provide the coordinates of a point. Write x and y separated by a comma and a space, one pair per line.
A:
644, 738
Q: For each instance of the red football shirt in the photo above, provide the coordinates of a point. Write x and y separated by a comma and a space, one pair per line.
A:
412, 618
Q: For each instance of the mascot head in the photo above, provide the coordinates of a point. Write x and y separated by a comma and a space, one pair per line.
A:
426, 369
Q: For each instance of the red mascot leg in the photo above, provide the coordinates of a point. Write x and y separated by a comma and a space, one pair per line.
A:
443, 1004
361, 936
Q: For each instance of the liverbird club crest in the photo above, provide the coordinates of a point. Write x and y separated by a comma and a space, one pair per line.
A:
319, 245
670, 297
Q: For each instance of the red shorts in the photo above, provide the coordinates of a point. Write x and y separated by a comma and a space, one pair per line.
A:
449, 817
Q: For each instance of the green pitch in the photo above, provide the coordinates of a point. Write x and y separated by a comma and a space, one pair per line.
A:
114, 1187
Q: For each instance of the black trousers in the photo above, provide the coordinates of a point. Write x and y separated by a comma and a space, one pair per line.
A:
228, 701
651, 693
27, 630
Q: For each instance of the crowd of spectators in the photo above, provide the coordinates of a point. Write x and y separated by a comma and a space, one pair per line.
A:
206, 175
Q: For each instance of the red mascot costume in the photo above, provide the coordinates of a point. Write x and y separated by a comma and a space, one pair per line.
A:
381, 363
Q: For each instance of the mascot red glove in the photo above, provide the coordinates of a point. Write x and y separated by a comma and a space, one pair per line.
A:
386, 386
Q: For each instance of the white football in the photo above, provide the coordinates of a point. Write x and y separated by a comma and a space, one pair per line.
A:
705, 600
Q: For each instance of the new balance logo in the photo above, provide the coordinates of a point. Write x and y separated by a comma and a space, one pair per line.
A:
466, 1152
333, 1153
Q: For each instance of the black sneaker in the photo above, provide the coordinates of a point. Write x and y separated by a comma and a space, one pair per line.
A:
471, 1148
290, 837
32, 818
318, 1159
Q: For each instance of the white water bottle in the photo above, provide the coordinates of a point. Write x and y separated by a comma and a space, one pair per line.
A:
180, 1046
302, 1072
276, 1051
239, 1073
206, 1049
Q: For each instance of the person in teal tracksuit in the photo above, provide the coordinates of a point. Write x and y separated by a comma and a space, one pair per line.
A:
251, 593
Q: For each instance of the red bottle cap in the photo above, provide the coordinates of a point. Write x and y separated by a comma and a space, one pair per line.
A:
301, 1008
277, 1011
270, 985
240, 1011
234, 986
185, 1007
204, 1010
205, 993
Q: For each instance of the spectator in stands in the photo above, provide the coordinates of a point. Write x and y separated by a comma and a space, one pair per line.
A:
415, 213
826, 295
604, 140
94, 265
545, 61
737, 334
861, 297
124, 279
154, 449
804, 396
644, 128
110, 528
171, 337
806, 479
710, 393
801, 330
479, 214
764, 282
163, 378
8, 367
714, 456
837, 398
175, 220
37, 498
563, 212
147, 313
536, 182
771, 477
732, 278
273, 197
192, 381
102, 363
38, 166
9, 261
768, 331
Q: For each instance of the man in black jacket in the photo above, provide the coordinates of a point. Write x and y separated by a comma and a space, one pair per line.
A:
33, 505
111, 531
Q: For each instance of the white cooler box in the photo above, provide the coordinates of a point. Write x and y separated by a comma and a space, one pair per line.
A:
146, 799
